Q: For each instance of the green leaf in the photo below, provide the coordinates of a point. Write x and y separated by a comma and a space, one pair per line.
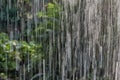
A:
41, 14
51, 5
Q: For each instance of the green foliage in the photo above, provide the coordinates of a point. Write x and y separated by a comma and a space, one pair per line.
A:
50, 18
52, 10
2, 75
12, 50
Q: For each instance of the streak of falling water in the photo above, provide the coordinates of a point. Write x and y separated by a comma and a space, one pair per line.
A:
92, 29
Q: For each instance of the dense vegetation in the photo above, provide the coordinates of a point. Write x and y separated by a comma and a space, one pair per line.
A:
20, 35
